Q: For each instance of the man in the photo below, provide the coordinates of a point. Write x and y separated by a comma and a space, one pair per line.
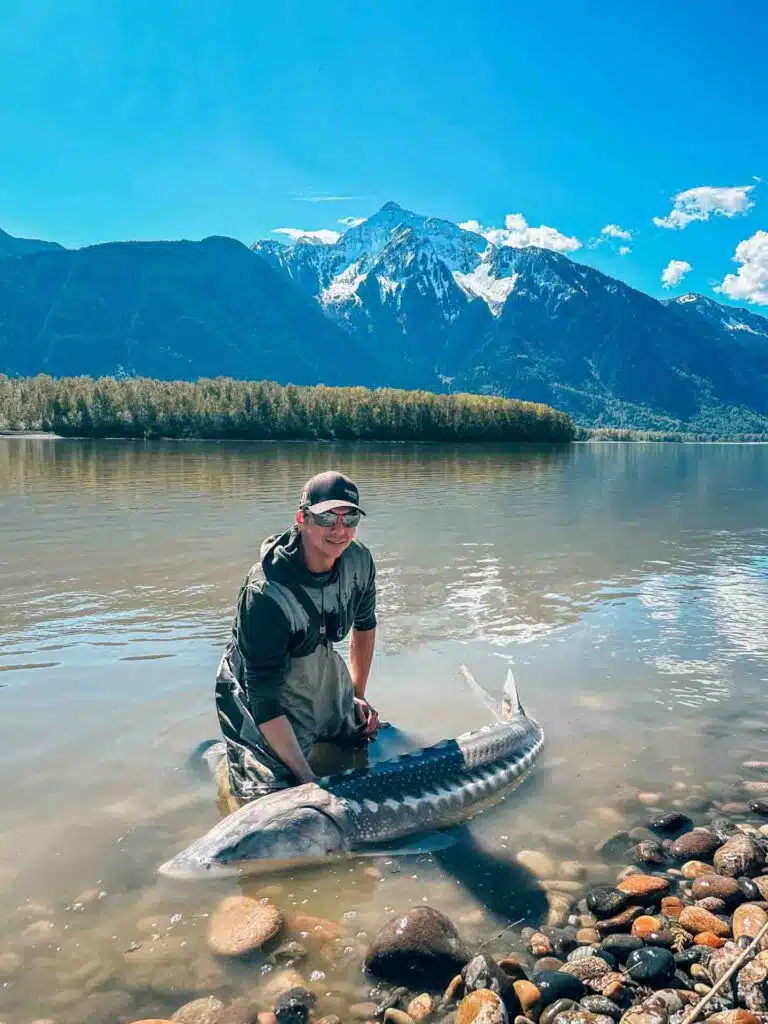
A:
281, 686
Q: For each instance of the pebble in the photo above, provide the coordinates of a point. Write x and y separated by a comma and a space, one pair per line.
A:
740, 855
555, 985
759, 806
539, 864
559, 1006
712, 904
733, 1017
529, 995
671, 907
587, 935
397, 1016
694, 868
644, 925
240, 925
748, 919
483, 1007
696, 844
753, 888
573, 869
317, 928
199, 1011
644, 887
621, 946
709, 939
293, 1006
587, 968
712, 884
620, 921
606, 900
670, 821
421, 1007
651, 964
601, 1005
697, 919
540, 944
546, 963
362, 1011
650, 799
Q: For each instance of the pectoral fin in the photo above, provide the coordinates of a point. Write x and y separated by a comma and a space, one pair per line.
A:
409, 848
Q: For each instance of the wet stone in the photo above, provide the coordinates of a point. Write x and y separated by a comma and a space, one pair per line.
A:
748, 919
651, 852
644, 1015
723, 888
697, 919
555, 985
420, 947
615, 846
200, 1011
645, 888
546, 963
293, 1006
652, 965
481, 1007
528, 995
698, 844
240, 925
723, 828
759, 806
606, 901
620, 946
695, 868
753, 889
669, 822
482, 972
601, 1005
712, 904
559, 1006
421, 1007
740, 855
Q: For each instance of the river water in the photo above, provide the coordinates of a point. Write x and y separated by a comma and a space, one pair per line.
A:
626, 585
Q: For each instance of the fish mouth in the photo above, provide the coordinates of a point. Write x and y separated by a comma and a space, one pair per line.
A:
184, 869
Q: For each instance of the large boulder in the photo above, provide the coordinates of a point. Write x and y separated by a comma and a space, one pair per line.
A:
420, 948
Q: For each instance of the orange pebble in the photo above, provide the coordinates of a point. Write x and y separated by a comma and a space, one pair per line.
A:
709, 939
645, 924
672, 906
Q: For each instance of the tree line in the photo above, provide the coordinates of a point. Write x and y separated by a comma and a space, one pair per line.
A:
223, 408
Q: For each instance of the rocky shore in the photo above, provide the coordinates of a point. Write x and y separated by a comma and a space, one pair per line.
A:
678, 905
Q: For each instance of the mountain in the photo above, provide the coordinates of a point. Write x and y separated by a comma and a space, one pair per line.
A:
10, 246
400, 300
169, 310
451, 310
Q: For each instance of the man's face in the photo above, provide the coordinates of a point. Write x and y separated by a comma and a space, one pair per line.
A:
328, 541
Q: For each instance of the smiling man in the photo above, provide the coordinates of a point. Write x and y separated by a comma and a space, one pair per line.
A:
281, 687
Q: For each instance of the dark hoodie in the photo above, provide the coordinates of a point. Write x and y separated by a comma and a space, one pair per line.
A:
284, 611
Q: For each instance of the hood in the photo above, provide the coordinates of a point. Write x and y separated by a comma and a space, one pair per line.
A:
283, 562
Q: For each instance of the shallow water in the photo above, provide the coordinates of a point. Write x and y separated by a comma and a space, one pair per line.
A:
627, 585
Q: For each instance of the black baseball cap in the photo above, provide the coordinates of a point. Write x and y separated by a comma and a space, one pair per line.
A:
329, 490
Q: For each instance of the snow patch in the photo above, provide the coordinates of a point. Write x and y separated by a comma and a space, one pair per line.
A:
482, 285
734, 325
387, 286
343, 287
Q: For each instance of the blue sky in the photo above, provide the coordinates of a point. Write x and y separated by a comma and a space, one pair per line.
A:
170, 119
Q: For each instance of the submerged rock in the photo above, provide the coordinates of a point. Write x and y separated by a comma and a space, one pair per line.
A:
481, 1007
419, 948
740, 855
199, 1011
240, 925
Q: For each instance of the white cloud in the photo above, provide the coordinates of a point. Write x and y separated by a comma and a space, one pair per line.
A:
625, 250
351, 222
614, 231
704, 202
674, 272
518, 233
321, 197
750, 281
323, 235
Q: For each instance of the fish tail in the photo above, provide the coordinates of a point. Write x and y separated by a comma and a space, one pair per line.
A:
512, 705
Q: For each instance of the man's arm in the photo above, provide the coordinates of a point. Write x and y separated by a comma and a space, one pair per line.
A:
263, 636
280, 735
361, 645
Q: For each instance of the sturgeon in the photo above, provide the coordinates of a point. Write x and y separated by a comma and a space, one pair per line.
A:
358, 811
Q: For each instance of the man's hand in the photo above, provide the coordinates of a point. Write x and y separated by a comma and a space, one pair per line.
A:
368, 717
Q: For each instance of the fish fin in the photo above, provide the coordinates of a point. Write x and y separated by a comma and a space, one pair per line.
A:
420, 844
512, 705
483, 696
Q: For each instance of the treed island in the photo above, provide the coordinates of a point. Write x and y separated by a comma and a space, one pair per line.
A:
227, 409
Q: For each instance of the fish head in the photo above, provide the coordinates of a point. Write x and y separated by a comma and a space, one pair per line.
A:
289, 828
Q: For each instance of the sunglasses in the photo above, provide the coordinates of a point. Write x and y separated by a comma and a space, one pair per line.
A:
351, 518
